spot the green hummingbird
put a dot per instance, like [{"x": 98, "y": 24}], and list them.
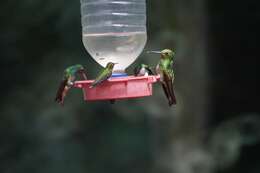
[
  {"x": 143, "y": 70},
  {"x": 67, "y": 82},
  {"x": 165, "y": 70},
  {"x": 104, "y": 74}
]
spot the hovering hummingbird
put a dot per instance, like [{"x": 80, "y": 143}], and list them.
[
  {"x": 143, "y": 70},
  {"x": 67, "y": 82},
  {"x": 165, "y": 70},
  {"x": 104, "y": 74}
]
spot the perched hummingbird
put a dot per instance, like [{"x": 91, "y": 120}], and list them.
[
  {"x": 104, "y": 74},
  {"x": 69, "y": 77},
  {"x": 143, "y": 70},
  {"x": 165, "y": 70}
]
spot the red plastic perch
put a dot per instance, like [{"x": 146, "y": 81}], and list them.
[{"x": 118, "y": 88}]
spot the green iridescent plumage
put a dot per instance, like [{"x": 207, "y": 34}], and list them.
[
  {"x": 165, "y": 70},
  {"x": 72, "y": 71},
  {"x": 104, "y": 74},
  {"x": 69, "y": 77}
]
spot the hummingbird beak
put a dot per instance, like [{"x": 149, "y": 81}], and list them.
[{"x": 157, "y": 52}]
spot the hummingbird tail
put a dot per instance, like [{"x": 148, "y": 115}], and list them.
[
  {"x": 168, "y": 89},
  {"x": 173, "y": 98},
  {"x": 170, "y": 102},
  {"x": 171, "y": 91},
  {"x": 166, "y": 92}
]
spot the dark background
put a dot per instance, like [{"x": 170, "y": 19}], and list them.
[
  {"x": 39, "y": 39},
  {"x": 234, "y": 27}
]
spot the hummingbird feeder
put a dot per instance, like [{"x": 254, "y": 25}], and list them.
[
  {"x": 115, "y": 31},
  {"x": 118, "y": 88}
]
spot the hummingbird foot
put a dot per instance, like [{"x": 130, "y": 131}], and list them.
[{"x": 70, "y": 83}]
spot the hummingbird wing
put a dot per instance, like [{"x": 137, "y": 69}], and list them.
[
  {"x": 137, "y": 70},
  {"x": 166, "y": 92},
  {"x": 150, "y": 72},
  {"x": 64, "y": 88},
  {"x": 163, "y": 80},
  {"x": 172, "y": 82},
  {"x": 157, "y": 69},
  {"x": 104, "y": 75},
  {"x": 59, "y": 96},
  {"x": 169, "y": 82}
]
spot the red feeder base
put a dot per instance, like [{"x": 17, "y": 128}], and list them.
[{"x": 118, "y": 88}]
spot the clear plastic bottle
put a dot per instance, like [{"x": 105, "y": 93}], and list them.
[{"x": 114, "y": 30}]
